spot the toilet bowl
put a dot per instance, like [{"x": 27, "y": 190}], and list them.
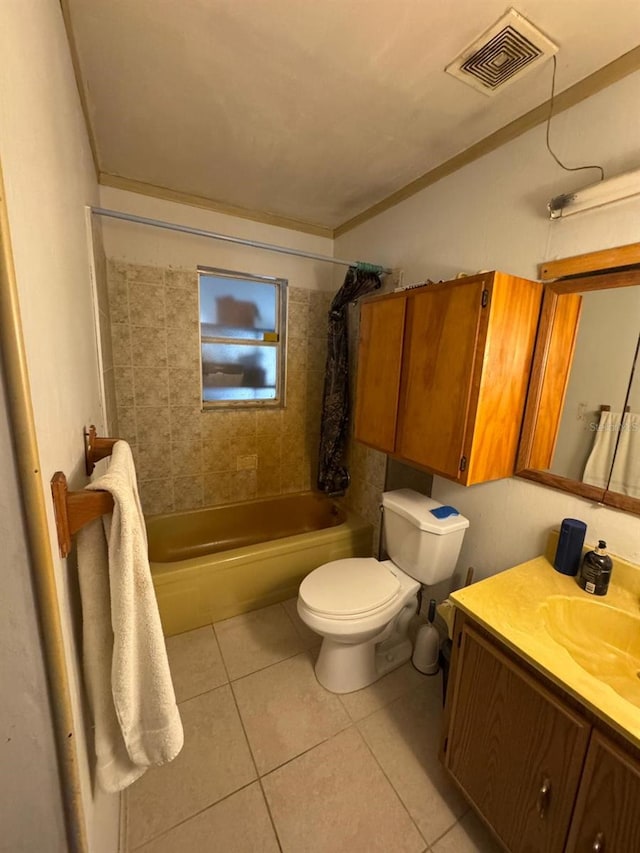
[{"x": 362, "y": 607}]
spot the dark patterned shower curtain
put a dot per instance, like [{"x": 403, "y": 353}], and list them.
[{"x": 332, "y": 475}]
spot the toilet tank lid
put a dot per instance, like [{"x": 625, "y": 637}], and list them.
[{"x": 424, "y": 512}]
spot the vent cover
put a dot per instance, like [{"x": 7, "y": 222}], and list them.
[{"x": 502, "y": 54}]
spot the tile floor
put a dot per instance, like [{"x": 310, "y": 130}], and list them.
[{"x": 274, "y": 762}]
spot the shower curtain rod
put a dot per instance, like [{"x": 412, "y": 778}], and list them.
[{"x": 254, "y": 244}]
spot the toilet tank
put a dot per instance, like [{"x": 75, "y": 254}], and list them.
[{"x": 422, "y": 536}]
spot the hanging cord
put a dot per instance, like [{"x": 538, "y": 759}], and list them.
[{"x": 555, "y": 157}]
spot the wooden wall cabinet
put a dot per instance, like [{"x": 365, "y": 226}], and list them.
[
  {"x": 443, "y": 372},
  {"x": 534, "y": 766}
]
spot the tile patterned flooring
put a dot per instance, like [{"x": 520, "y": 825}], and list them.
[{"x": 274, "y": 762}]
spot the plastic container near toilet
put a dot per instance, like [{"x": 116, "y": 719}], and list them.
[{"x": 362, "y": 607}]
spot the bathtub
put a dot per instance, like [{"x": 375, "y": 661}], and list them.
[{"x": 213, "y": 563}]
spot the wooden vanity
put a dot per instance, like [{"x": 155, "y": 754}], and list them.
[{"x": 547, "y": 754}]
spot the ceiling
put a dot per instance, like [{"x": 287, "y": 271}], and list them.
[{"x": 310, "y": 110}]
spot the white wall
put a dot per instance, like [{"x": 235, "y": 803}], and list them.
[
  {"x": 30, "y": 802},
  {"x": 491, "y": 215},
  {"x": 142, "y": 244},
  {"x": 49, "y": 179}
]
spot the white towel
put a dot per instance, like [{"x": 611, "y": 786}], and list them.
[
  {"x": 625, "y": 475},
  {"x": 598, "y": 467},
  {"x": 137, "y": 723}
]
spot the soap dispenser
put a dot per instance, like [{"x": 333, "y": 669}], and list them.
[{"x": 595, "y": 572}]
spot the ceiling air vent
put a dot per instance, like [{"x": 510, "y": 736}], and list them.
[{"x": 502, "y": 54}]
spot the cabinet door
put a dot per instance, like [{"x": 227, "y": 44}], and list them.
[
  {"x": 442, "y": 331},
  {"x": 607, "y": 815},
  {"x": 515, "y": 750},
  {"x": 379, "y": 366}
]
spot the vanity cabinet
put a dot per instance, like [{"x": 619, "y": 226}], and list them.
[
  {"x": 534, "y": 766},
  {"x": 607, "y": 813},
  {"x": 443, "y": 372},
  {"x": 514, "y": 749}
]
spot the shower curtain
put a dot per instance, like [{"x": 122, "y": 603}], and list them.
[{"x": 332, "y": 475}]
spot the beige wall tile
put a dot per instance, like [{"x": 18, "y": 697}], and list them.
[
  {"x": 247, "y": 463},
  {"x": 111, "y": 404},
  {"x": 151, "y": 386},
  {"x": 156, "y": 496},
  {"x": 127, "y": 429},
  {"x": 153, "y": 461},
  {"x": 153, "y": 425},
  {"x": 244, "y": 485},
  {"x": 316, "y": 352},
  {"x": 185, "y": 421},
  {"x": 181, "y": 278},
  {"x": 243, "y": 445},
  {"x": 186, "y": 457},
  {"x": 146, "y": 305},
  {"x": 139, "y": 273},
  {"x": 183, "y": 348},
  {"x": 298, "y": 320},
  {"x": 123, "y": 378},
  {"x": 269, "y": 423},
  {"x": 292, "y": 479},
  {"x": 218, "y": 488},
  {"x": 297, "y": 352},
  {"x": 269, "y": 451},
  {"x": 217, "y": 455},
  {"x": 184, "y": 388},
  {"x": 299, "y": 294},
  {"x": 242, "y": 423},
  {"x": 121, "y": 344},
  {"x": 188, "y": 492},
  {"x": 118, "y": 299},
  {"x": 106, "y": 345},
  {"x": 235, "y": 454},
  {"x": 148, "y": 346},
  {"x": 268, "y": 481},
  {"x": 182, "y": 307}
]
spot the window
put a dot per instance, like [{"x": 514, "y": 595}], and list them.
[{"x": 242, "y": 323}]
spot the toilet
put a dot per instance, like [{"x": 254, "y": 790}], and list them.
[{"x": 362, "y": 607}]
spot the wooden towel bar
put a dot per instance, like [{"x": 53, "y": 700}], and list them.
[{"x": 75, "y": 509}]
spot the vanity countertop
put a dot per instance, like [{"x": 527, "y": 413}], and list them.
[{"x": 513, "y": 606}]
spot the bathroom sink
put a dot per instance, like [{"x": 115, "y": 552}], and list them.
[{"x": 602, "y": 639}]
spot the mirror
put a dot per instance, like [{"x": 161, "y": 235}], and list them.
[{"x": 576, "y": 434}]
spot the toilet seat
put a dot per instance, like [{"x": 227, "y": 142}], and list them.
[{"x": 350, "y": 588}]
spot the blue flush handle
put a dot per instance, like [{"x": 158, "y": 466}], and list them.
[{"x": 444, "y": 511}]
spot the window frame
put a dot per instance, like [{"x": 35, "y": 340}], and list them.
[{"x": 280, "y": 346}]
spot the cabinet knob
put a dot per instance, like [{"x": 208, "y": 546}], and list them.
[
  {"x": 598, "y": 843},
  {"x": 544, "y": 797}
]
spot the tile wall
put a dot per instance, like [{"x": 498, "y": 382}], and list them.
[{"x": 186, "y": 458}]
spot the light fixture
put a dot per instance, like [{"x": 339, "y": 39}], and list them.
[{"x": 595, "y": 195}]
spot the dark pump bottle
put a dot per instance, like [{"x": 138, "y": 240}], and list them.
[{"x": 595, "y": 572}]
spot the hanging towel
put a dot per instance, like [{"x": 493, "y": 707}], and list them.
[
  {"x": 625, "y": 474},
  {"x": 136, "y": 719},
  {"x": 598, "y": 467}
]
